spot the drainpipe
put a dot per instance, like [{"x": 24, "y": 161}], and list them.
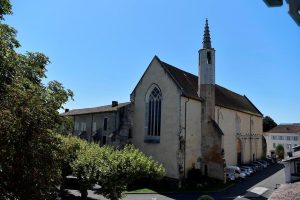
[{"x": 184, "y": 150}]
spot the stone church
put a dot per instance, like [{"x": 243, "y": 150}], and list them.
[{"x": 185, "y": 121}]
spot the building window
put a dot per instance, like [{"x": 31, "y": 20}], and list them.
[
  {"x": 76, "y": 126},
  {"x": 83, "y": 126},
  {"x": 298, "y": 167},
  {"x": 208, "y": 57},
  {"x": 104, "y": 140},
  {"x": 274, "y": 137},
  {"x": 288, "y": 137},
  {"x": 237, "y": 124},
  {"x": 153, "y": 115},
  {"x": 105, "y": 124},
  {"x": 280, "y": 137},
  {"x": 295, "y": 138},
  {"x": 94, "y": 127},
  {"x": 274, "y": 145}
]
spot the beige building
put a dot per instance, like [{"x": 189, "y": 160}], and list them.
[
  {"x": 183, "y": 120},
  {"x": 286, "y": 134},
  {"x": 110, "y": 124}
]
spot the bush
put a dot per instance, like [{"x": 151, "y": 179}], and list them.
[
  {"x": 112, "y": 169},
  {"x": 124, "y": 166}
]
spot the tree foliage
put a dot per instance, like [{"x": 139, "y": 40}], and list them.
[
  {"x": 30, "y": 156},
  {"x": 268, "y": 123},
  {"x": 279, "y": 151},
  {"x": 112, "y": 169}
]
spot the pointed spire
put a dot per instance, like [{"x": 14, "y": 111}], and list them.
[{"x": 206, "y": 37}]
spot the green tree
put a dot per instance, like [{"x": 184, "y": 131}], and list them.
[
  {"x": 123, "y": 167},
  {"x": 268, "y": 123},
  {"x": 279, "y": 150},
  {"x": 112, "y": 169},
  {"x": 30, "y": 155}
]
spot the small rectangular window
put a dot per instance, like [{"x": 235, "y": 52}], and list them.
[
  {"x": 298, "y": 167},
  {"x": 83, "y": 126},
  {"x": 105, "y": 124},
  {"x": 295, "y": 138},
  {"x": 280, "y": 137},
  {"x": 208, "y": 57},
  {"x": 274, "y": 145},
  {"x": 288, "y": 137},
  {"x": 104, "y": 140},
  {"x": 94, "y": 126},
  {"x": 76, "y": 126},
  {"x": 129, "y": 133}
]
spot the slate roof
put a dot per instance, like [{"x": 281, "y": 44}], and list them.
[
  {"x": 100, "y": 109},
  {"x": 286, "y": 128},
  {"x": 225, "y": 98}
]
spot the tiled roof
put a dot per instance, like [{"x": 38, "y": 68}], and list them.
[
  {"x": 224, "y": 97},
  {"x": 286, "y": 128},
  {"x": 100, "y": 109}
]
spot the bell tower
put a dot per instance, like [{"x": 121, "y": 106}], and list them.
[
  {"x": 206, "y": 76},
  {"x": 211, "y": 136}
]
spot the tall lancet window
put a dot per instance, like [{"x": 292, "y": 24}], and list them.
[{"x": 153, "y": 115}]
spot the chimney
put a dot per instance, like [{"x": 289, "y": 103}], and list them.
[
  {"x": 114, "y": 103},
  {"x": 67, "y": 110}
]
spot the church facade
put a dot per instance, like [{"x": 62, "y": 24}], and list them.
[{"x": 185, "y": 121}]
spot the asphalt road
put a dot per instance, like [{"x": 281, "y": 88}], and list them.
[{"x": 258, "y": 186}]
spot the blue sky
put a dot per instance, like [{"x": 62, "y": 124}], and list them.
[{"x": 100, "y": 48}]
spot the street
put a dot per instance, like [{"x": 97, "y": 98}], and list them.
[{"x": 258, "y": 186}]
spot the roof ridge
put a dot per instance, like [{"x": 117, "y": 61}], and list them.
[
  {"x": 98, "y": 106},
  {"x": 178, "y": 68},
  {"x": 197, "y": 77}
]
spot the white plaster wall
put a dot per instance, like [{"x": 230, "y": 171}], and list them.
[
  {"x": 226, "y": 118},
  {"x": 164, "y": 152},
  {"x": 192, "y": 127}
]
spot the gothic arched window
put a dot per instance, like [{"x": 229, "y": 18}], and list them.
[{"x": 153, "y": 114}]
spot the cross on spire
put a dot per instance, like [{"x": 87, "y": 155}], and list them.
[{"x": 206, "y": 37}]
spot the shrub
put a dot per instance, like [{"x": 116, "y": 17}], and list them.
[{"x": 112, "y": 169}]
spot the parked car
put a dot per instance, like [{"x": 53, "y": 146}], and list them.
[
  {"x": 259, "y": 165},
  {"x": 230, "y": 176},
  {"x": 241, "y": 174},
  {"x": 255, "y": 167},
  {"x": 251, "y": 167},
  {"x": 236, "y": 171},
  {"x": 246, "y": 170}
]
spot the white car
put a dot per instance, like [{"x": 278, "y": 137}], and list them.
[
  {"x": 236, "y": 171},
  {"x": 248, "y": 170},
  {"x": 230, "y": 176}
]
